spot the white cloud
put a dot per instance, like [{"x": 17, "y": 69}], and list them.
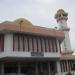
[{"x": 46, "y": 1}]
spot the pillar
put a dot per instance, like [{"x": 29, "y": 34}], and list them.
[
  {"x": 2, "y": 68},
  {"x": 58, "y": 47},
  {"x": 19, "y": 68},
  {"x": 67, "y": 66},
  {"x": 58, "y": 68},
  {"x": 49, "y": 70},
  {"x": 8, "y": 42},
  {"x": 36, "y": 68}
]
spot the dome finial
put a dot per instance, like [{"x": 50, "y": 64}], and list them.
[
  {"x": 22, "y": 21},
  {"x": 60, "y": 11}
]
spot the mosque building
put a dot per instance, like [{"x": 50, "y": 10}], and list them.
[{"x": 26, "y": 49}]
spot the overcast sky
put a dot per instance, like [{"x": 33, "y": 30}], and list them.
[{"x": 39, "y": 12}]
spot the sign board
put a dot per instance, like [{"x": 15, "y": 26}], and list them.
[{"x": 37, "y": 54}]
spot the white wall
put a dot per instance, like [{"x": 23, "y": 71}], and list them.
[
  {"x": 28, "y": 54},
  {"x": 62, "y": 24},
  {"x": 8, "y": 42},
  {"x": 8, "y": 49}
]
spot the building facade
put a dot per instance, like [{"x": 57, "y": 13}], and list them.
[
  {"x": 26, "y": 49},
  {"x": 67, "y": 59}
]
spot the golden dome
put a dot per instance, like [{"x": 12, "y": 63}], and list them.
[
  {"x": 22, "y": 21},
  {"x": 60, "y": 11}
]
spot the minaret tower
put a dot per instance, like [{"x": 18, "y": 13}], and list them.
[{"x": 61, "y": 17}]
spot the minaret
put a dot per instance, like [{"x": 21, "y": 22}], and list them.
[{"x": 61, "y": 17}]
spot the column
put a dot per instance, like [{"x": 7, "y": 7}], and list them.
[
  {"x": 58, "y": 68},
  {"x": 2, "y": 68},
  {"x": 8, "y": 42},
  {"x": 67, "y": 66},
  {"x": 19, "y": 68},
  {"x": 58, "y": 46},
  {"x": 49, "y": 70},
  {"x": 36, "y": 68}
]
